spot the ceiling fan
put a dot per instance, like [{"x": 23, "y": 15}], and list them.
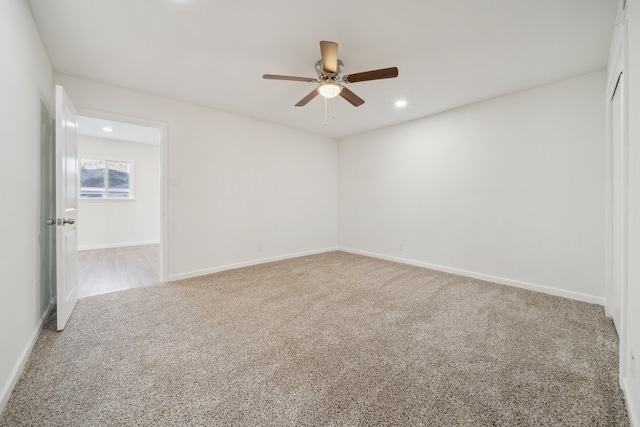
[{"x": 330, "y": 79}]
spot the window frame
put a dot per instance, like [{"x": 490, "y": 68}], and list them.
[{"x": 106, "y": 160}]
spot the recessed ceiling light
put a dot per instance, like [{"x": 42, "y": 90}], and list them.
[
  {"x": 401, "y": 103},
  {"x": 107, "y": 129}
]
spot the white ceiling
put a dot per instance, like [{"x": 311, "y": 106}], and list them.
[
  {"x": 119, "y": 131},
  {"x": 214, "y": 52}
]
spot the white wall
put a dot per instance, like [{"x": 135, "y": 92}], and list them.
[
  {"x": 113, "y": 223},
  {"x": 510, "y": 190},
  {"x": 241, "y": 182},
  {"x": 27, "y": 99},
  {"x": 632, "y": 382}
]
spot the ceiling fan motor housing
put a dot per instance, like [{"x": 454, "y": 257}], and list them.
[{"x": 322, "y": 76}]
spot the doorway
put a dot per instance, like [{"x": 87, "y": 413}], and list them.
[{"x": 120, "y": 204}]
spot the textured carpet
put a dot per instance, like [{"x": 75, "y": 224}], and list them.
[{"x": 330, "y": 339}]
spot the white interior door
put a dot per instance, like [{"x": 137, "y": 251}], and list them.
[
  {"x": 619, "y": 169},
  {"x": 66, "y": 207}
]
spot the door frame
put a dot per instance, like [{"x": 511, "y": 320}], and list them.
[
  {"x": 164, "y": 181},
  {"x": 616, "y": 81}
]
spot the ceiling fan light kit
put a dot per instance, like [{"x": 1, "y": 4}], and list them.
[
  {"x": 329, "y": 89},
  {"x": 330, "y": 79}
]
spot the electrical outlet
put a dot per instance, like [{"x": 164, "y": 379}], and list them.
[
  {"x": 401, "y": 247},
  {"x": 260, "y": 247},
  {"x": 633, "y": 364}
]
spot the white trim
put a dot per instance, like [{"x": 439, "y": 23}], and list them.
[
  {"x": 164, "y": 202},
  {"x": 578, "y": 296},
  {"x": 631, "y": 410},
  {"x": 164, "y": 174},
  {"x": 108, "y": 200},
  {"x": 205, "y": 271},
  {"x": 617, "y": 67},
  {"x": 118, "y": 245},
  {"x": 14, "y": 376}
]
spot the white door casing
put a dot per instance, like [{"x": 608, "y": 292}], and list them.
[
  {"x": 616, "y": 190},
  {"x": 66, "y": 207},
  {"x": 619, "y": 224}
]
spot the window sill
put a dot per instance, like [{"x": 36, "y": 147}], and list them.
[{"x": 106, "y": 200}]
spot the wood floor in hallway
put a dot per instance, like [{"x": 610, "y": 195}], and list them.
[{"x": 101, "y": 271}]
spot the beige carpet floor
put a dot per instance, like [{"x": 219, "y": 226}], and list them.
[{"x": 330, "y": 339}]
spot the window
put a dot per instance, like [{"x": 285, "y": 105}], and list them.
[{"x": 105, "y": 179}]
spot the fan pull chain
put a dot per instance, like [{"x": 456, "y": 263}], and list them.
[{"x": 325, "y": 111}]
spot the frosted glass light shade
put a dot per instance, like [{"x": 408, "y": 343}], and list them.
[{"x": 330, "y": 90}]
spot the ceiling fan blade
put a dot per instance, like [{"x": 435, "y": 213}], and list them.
[
  {"x": 329, "y": 52},
  {"x": 293, "y": 78},
  {"x": 353, "y": 99},
  {"x": 384, "y": 73},
  {"x": 304, "y": 101}
]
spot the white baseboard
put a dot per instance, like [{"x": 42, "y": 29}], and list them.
[
  {"x": 634, "y": 417},
  {"x": 205, "y": 271},
  {"x": 117, "y": 245},
  {"x": 495, "y": 279},
  {"x": 7, "y": 388}
]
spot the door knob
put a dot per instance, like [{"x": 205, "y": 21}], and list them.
[
  {"x": 68, "y": 221},
  {"x": 51, "y": 222}
]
